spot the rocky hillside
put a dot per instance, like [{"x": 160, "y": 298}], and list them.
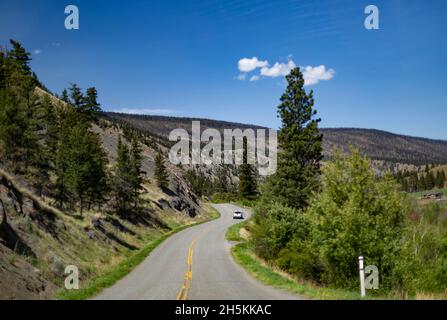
[
  {"x": 378, "y": 145},
  {"x": 37, "y": 240}
]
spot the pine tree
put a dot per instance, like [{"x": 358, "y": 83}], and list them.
[
  {"x": 122, "y": 185},
  {"x": 2, "y": 68},
  {"x": 18, "y": 136},
  {"x": 404, "y": 185},
  {"x": 43, "y": 123},
  {"x": 429, "y": 181},
  {"x": 222, "y": 182},
  {"x": 91, "y": 107},
  {"x": 20, "y": 56},
  {"x": 136, "y": 175},
  {"x": 300, "y": 145},
  {"x": 86, "y": 165},
  {"x": 64, "y": 96},
  {"x": 440, "y": 179},
  {"x": 421, "y": 186},
  {"x": 160, "y": 171},
  {"x": 77, "y": 98},
  {"x": 247, "y": 178}
]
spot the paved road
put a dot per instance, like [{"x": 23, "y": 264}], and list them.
[{"x": 194, "y": 264}]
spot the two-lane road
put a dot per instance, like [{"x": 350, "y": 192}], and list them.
[{"x": 195, "y": 263}]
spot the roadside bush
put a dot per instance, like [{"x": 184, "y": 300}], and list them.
[
  {"x": 422, "y": 266},
  {"x": 357, "y": 213},
  {"x": 300, "y": 259},
  {"x": 276, "y": 225}
]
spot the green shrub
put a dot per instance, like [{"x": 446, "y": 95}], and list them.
[
  {"x": 357, "y": 213},
  {"x": 276, "y": 225},
  {"x": 299, "y": 258},
  {"x": 422, "y": 265}
]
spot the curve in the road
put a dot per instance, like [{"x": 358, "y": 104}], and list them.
[{"x": 194, "y": 264}]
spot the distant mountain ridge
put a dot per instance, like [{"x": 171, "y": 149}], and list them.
[{"x": 376, "y": 144}]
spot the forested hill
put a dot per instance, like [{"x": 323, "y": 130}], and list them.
[{"x": 376, "y": 144}]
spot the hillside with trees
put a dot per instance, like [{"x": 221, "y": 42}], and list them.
[
  {"x": 75, "y": 188},
  {"x": 375, "y": 144}
]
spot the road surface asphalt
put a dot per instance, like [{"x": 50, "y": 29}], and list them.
[{"x": 194, "y": 264}]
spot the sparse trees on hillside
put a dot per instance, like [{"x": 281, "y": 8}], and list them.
[
  {"x": 201, "y": 185},
  {"x": 45, "y": 142}
]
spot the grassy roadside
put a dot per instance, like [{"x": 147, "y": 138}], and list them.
[
  {"x": 244, "y": 255},
  {"x": 111, "y": 276}
]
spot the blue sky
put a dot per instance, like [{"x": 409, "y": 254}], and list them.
[{"x": 180, "y": 58}]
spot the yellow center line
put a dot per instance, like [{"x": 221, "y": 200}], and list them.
[
  {"x": 187, "y": 278},
  {"x": 183, "y": 294}
]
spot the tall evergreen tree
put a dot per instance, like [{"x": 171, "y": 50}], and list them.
[
  {"x": 91, "y": 106},
  {"x": 160, "y": 171},
  {"x": 300, "y": 145},
  {"x": 136, "y": 174},
  {"x": 77, "y": 98},
  {"x": 440, "y": 179},
  {"x": 86, "y": 175},
  {"x": 64, "y": 96},
  {"x": 20, "y": 56},
  {"x": 18, "y": 136},
  {"x": 247, "y": 178},
  {"x": 122, "y": 182}
]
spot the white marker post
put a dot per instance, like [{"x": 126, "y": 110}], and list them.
[{"x": 362, "y": 277}]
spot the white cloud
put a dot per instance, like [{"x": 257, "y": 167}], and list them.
[
  {"x": 313, "y": 75},
  {"x": 241, "y": 76},
  {"x": 37, "y": 51},
  {"x": 247, "y": 65},
  {"x": 278, "y": 69},
  {"x": 145, "y": 111}
]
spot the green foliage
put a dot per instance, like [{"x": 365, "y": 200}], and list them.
[
  {"x": 300, "y": 145},
  {"x": 247, "y": 178},
  {"x": 275, "y": 226},
  {"x": 122, "y": 182},
  {"x": 160, "y": 171},
  {"x": 422, "y": 265},
  {"x": 20, "y": 57},
  {"x": 440, "y": 179},
  {"x": 414, "y": 182},
  {"x": 201, "y": 184},
  {"x": 86, "y": 165},
  {"x": 357, "y": 213},
  {"x": 18, "y": 126},
  {"x": 136, "y": 174},
  {"x": 40, "y": 139}
]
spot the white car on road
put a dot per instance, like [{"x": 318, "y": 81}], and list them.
[{"x": 238, "y": 215}]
